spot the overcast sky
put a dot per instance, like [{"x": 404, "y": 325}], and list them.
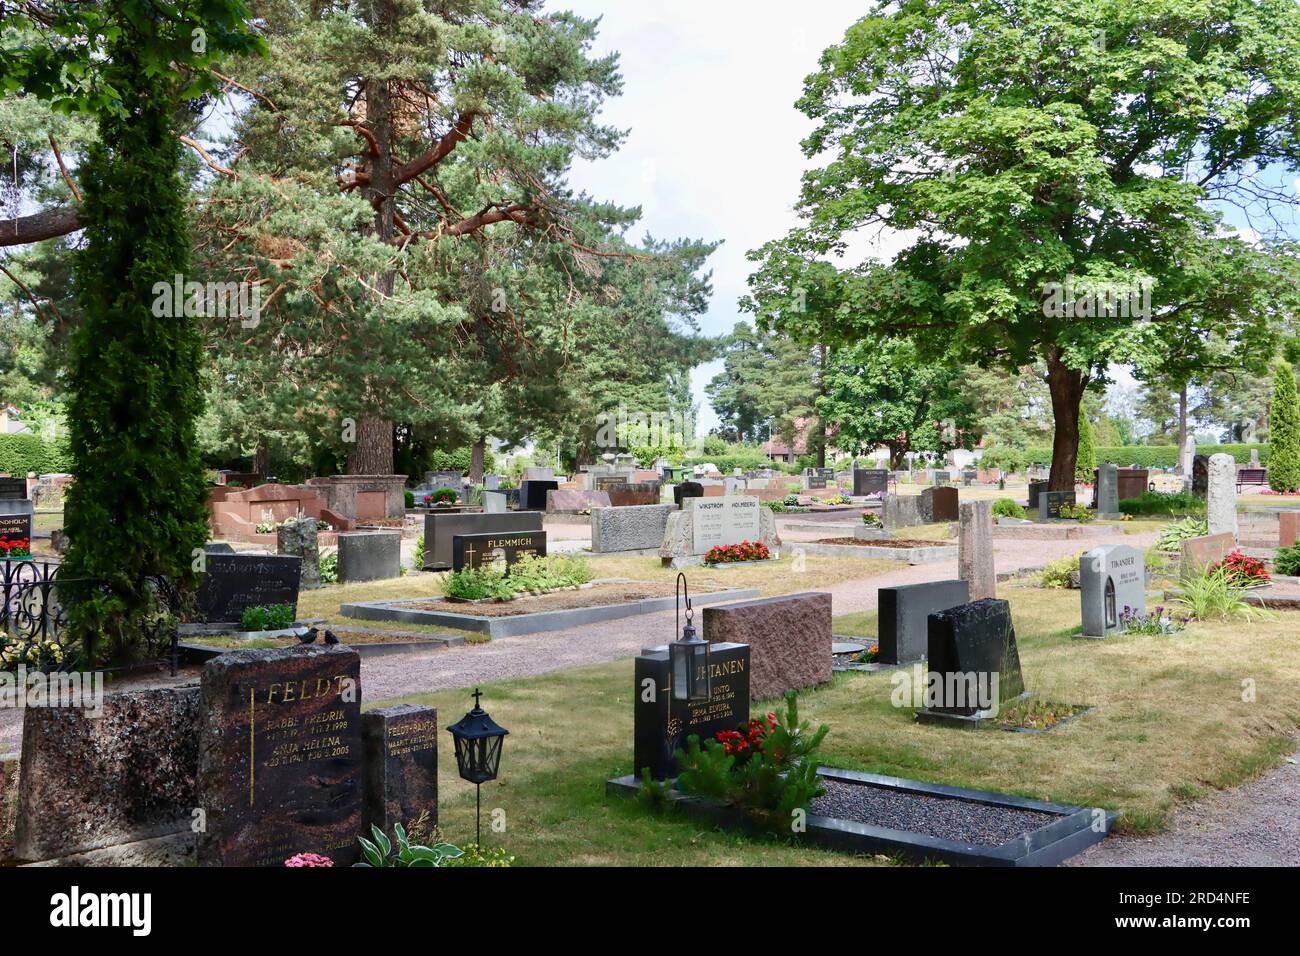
[{"x": 713, "y": 149}]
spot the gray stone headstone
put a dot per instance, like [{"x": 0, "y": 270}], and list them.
[
  {"x": 1111, "y": 578},
  {"x": 494, "y": 503},
  {"x": 369, "y": 556},
  {"x": 631, "y": 528},
  {"x": 1221, "y": 496},
  {"x": 904, "y": 611},
  {"x": 975, "y": 549},
  {"x": 1187, "y": 456},
  {"x": 901, "y": 511},
  {"x": 1108, "y": 491},
  {"x": 491, "y": 482},
  {"x": 299, "y": 538}
]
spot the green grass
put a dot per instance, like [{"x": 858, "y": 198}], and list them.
[{"x": 1168, "y": 726}]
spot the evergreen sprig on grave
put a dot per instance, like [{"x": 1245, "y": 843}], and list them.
[
  {"x": 137, "y": 507},
  {"x": 1284, "y": 431}
]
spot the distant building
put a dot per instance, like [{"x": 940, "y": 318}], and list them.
[{"x": 9, "y": 421}]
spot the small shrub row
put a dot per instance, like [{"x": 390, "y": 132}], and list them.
[
  {"x": 1163, "y": 503},
  {"x": 530, "y": 574}
]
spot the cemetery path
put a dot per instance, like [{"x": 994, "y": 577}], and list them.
[{"x": 1254, "y": 825}]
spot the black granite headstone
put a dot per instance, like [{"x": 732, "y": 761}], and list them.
[
  {"x": 16, "y": 536},
  {"x": 1036, "y": 488},
  {"x": 232, "y": 583},
  {"x": 399, "y": 748},
  {"x": 969, "y": 646},
  {"x": 687, "y": 489},
  {"x": 904, "y": 617},
  {"x": 477, "y": 550},
  {"x": 441, "y": 529},
  {"x": 870, "y": 481},
  {"x": 532, "y": 494},
  {"x": 1200, "y": 476},
  {"x": 1051, "y": 502},
  {"x": 13, "y": 488},
  {"x": 662, "y": 725}
]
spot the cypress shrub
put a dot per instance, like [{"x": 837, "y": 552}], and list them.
[
  {"x": 1087, "y": 456},
  {"x": 1284, "y": 431}
]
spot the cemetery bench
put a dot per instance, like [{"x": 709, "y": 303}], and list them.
[{"x": 1251, "y": 476}]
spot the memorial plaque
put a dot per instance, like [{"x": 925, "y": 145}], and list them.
[
  {"x": 280, "y": 756},
  {"x": 1051, "y": 502},
  {"x": 1111, "y": 578},
  {"x": 661, "y": 725},
  {"x": 232, "y": 583},
  {"x": 439, "y": 530},
  {"x": 717, "y": 521},
  {"x": 939, "y": 504},
  {"x": 635, "y": 494},
  {"x": 400, "y": 749},
  {"x": 502, "y": 550}
]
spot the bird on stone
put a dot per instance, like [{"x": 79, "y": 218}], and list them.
[
  {"x": 308, "y": 636},
  {"x": 330, "y": 638}
]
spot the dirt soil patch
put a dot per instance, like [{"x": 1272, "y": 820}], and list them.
[
  {"x": 623, "y": 592},
  {"x": 885, "y": 543}
]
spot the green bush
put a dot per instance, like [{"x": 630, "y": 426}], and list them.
[
  {"x": 1287, "y": 561},
  {"x": 418, "y": 556},
  {"x": 20, "y": 454},
  {"x": 1213, "y": 596},
  {"x": 1059, "y": 573},
  {"x": 1007, "y": 508},
  {"x": 1284, "y": 430},
  {"x": 273, "y": 618},
  {"x": 329, "y": 568},
  {"x": 410, "y": 497},
  {"x": 1163, "y": 503},
  {"x": 1086, "y": 460},
  {"x": 528, "y": 574}
]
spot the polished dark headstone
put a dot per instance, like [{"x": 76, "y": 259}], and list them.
[
  {"x": 662, "y": 725},
  {"x": 687, "y": 489},
  {"x": 904, "y": 617},
  {"x": 870, "y": 481},
  {"x": 13, "y": 487},
  {"x": 1051, "y": 502},
  {"x": 476, "y": 550},
  {"x": 1036, "y": 488},
  {"x": 441, "y": 529},
  {"x": 232, "y": 583},
  {"x": 399, "y": 747},
  {"x": 972, "y": 658},
  {"x": 532, "y": 494},
  {"x": 280, "y": 756}
]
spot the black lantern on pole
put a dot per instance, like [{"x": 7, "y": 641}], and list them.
[
  {"x": 478, "y": 753},
  {"x": 689, "y": 655}
]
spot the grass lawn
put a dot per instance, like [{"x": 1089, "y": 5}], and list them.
[{"x": 1169, "y": 724}]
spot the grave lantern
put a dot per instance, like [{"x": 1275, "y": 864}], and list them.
[
  {"x": 478, "y": 753},
  {"x": 689, "y": 655}
]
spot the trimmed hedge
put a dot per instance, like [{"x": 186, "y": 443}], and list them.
[
  {"x": 1154, "y": 456},
  {"x": 20, "y": 454}
]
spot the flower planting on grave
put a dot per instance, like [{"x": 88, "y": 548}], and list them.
[
  {"x": 529, "y": 575},
  {"x": 765, "y": 768},
  {"x": 1213, "y": 596},
  {"x": 1007, "y": 508},
  {"x": 872, "y": 520},
  {"x": 34, "y": 654},
  {"x": 1243, "y": 571},
  {"x": 1036, "y": 714},
  {"x": 379, "y": 851},
  {"x": 1133, "y": 621},
  {"x": 1080, "y": 513},
  {"x": 870, "y": 656},
  {"x": 15, "y": 548},
  {"x": 1061, "y": 573},
  {"x": 442, "y": 498},
  {"x": 736, "y": 553}
]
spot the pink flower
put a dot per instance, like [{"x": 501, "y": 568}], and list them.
[{"x": 308, "y": 859}]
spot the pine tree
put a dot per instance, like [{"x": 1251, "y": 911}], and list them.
[
  {"x": 1086, "y": 461},
  {"x": 1284, "y": 431}
]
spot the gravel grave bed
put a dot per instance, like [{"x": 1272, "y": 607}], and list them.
[
  {"x": 595, "y": 596},
  {"x": 958, "y": 820},
  {"x": 885, "y": 543}
]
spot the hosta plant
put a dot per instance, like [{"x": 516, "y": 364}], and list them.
[{"x": 381, "y": 851}]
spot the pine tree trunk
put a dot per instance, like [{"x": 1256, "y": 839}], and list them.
[
  {"x": 1066, "y": 386},
  {"x": 372, "y": 453},
  {"x": 476, "y": 456},
  {"x": 1182, "y": 424},
  {"x": 262, "y": 457}
]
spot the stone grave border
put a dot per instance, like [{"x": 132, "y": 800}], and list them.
[
  {"x": 1049, "y": 845},
  {"x": 926, "y": 555},
  {"x": 536, "y": 622}
]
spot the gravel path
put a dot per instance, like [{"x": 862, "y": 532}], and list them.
[
  {"x": 958, "y": 820},
  {"x": 1254, "y": 825}
]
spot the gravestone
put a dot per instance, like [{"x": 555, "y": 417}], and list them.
[
  {"x": 789, "y": 640},
  {"x": 968, "y": 478},
  {"x": 494, "y": 503},
  {"x": 975, "y": 549},
  {"x": 901, "y": 511},
  {"x": 634, "y": 494},
  {"x": 973, "y": 661},
  {"x": 1111, "y": 578},
  {"x": 1204, "y": 551},
  {"x": 477, "y": 550},
  {"x": 538, "y": 473},
  {"x": 1288, "y": 528},
  {"x": 440, "y": 529},
  {"x": 635, "y": 528},
  {"x": 1036, "y": 488},
  {"x": 1201, "y": 475},
  {"x": 280, "y": 756},
  {"x": 870, "y": 481},
  {"x": 1051, "y": 502},
  {"x": 942, "y": 477},
  {"x": 13, "y": 489},
  {"x": 300, "y": 537},
  {"x": 575, "y": 501},
  {"x": 661, "y": 725},
  {"x": 1133, "y": 482},
  {"x": 232, "y": 583},
  {"x": 1187, "y": 456},
  {"x": 939, "y": 504},
  {"x": 687, "y": 489},
  {"x": 1221, "y": 498},
  {"x": 904, "y": 617},
  {"x": 97, "y": 778},
  {"x": 491, "y": 482},
  {"x": 16, "y": 516},
  {"x": 1107, "y": 494},
  {"x": 369, "y": 556},
  {"x": 532, "y": 494},
  {"x": 709, "y": 522},
  {"x": 399, "y": 747}
]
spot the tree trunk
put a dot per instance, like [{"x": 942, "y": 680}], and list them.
[
  {"x": 1066, "y": 386},
  {"x": 372, "y": 453},
  {"x": 476, "y": 462},
  {"x": 821, "y": 422},
  {"x": 1182, "y": 425},
  {"x": 262, "y": 457}
]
